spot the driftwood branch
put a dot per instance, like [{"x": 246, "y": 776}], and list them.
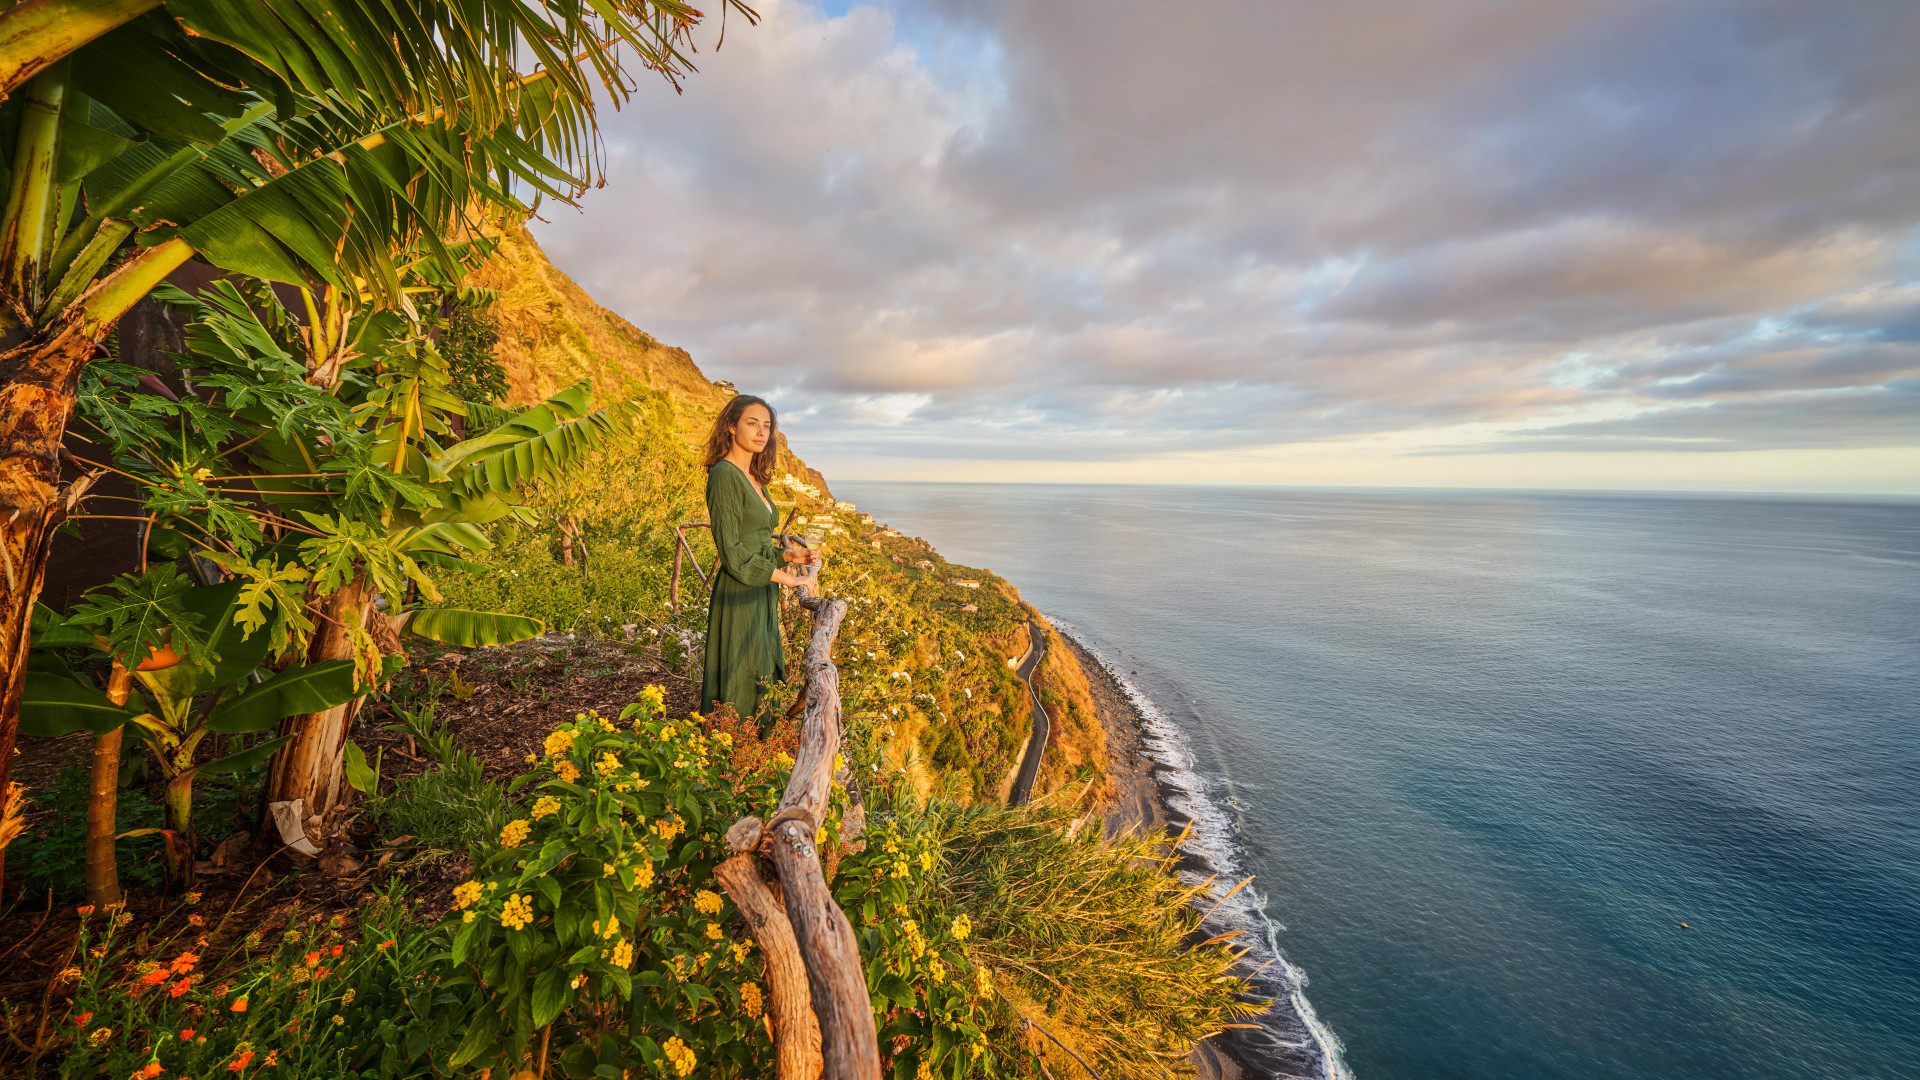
[
  {"x": 836, "y": 983},
  {"x": 796, "y": 1034}
]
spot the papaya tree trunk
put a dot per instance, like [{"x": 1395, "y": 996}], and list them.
[
  {"x": 309, "y": 767},
  {"x": 103, "y": 801}
]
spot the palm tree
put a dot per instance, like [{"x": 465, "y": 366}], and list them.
[{"x": 299, "y": 143}]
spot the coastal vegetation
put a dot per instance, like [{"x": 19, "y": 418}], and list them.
[{"x": 372, "y": 753}]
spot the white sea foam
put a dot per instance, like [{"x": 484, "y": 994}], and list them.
[{"x": 1215, "y": 841}]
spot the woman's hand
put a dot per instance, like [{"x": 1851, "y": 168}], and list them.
[
  {"x": 791, "y": 581},
  {"x": 801, "y": 555}
]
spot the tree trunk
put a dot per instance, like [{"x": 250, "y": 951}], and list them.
[
  {"x": 308, "y": 768},
  {"x": 103, "y": 801},
  {"x": 37, "y": 383}
]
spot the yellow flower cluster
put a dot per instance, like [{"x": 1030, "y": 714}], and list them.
[
  {"x": 643, "y": 877},
  {"x": 937, "y": 969},
  {"x": 565, "y": 770},
  {"x": 518, "y": 911},
  {"x": 713, "y": 931},
  {"x": 559, "y": 742},
  {"x": 668, "y": 829},
  {"x": 607, "y": 764},
  {"x": 740, "y": 950},
  {"x": 724, "y": 739},
  {"x": 623, "y": 954},
  {"x": 669, "y": 731},
  {"x": 926, "y": 860},
  {"x": 750, "y": 999},
  {"x": 680, "y": 1056},
  {"x": 546, "y": 805},
  {"x": 465, "y": 895},
  {"x": 982, "y": 982},
  {"x": 915, "y": 942},
  {"x": 962, "y": 926},
  {"x": 707, "y": 902},
  {"x": 516, "y": 832}
]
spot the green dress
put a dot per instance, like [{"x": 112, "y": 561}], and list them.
[{"x": 743, "y": 612}]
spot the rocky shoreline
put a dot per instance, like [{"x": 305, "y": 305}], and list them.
[{"x": 1140, "y": 801}]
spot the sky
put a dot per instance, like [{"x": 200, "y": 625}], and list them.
[{"x": 1621, "y": 244}]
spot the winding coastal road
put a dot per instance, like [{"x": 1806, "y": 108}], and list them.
[{"x": 1037, "y": 745}]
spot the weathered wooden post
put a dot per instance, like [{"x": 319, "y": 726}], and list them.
[{"x": 805, "y": 922}]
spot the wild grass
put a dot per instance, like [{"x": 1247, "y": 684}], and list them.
[
  {"x": 1097, "y": 934},
  {"x": 448, "y": 807}
]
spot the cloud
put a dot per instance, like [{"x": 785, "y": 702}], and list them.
[{"x": 1104, "y": 231}]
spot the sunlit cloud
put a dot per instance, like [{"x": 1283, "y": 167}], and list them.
[{"x": 1291, "y": 239}]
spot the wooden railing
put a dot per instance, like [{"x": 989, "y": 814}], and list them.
[{"x": 817, "y": 1000}]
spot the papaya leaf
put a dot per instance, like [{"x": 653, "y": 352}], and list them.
[{"x": 140, "y": 614}]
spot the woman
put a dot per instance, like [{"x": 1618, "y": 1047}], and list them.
[{"x": 744, "y": 652}]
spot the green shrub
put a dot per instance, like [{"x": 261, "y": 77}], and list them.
[
  {"x": 344, "y": 997},
  {"x": 590, "y": 928}
]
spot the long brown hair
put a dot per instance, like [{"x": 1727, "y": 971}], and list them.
[{"x": 720, "y": 439}]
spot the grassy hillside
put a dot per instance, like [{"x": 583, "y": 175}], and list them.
[{"x": 926, "y": 681}]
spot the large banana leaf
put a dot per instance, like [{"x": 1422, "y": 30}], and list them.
[
  {"x": 455, "y": 626},
  {"x": 305, "y": 689},
  {"x": 550, "y": 437},
  {"x": 245, "y": 759},
  {"x": 54, "y": 705}
]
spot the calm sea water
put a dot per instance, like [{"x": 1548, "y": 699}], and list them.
[{"x": 1489, "y": 752}]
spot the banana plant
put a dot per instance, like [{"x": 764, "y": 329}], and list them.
[
  {"x": 296, "y": 142},
  {"x": 196, "y": 661}
]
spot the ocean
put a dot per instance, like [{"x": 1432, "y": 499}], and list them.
[{"x": 1535, "y": 785}]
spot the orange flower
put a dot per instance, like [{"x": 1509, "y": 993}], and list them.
[
  {"x": 181, "y": 987},
  {"x": 81, "y": 1020},
  {"x": 320, "y": 973},
  {"x": 336, "y": 951},
  {"x": 387, "y": 944},
  {"x": 185, "y": 963},
  {"x": 186, "y": 1035},
  {"x": 152, "y": 1070},
  {"x": 240, "y": 1062},
  {"x": 313, "y": 958},
  {"x": 239, "y": 1005},
  {"x": 86, "y": 911},
  {"x": 155, "y": 977}
]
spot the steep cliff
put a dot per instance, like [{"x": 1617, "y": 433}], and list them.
[{"x": 552, "y": 335}]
